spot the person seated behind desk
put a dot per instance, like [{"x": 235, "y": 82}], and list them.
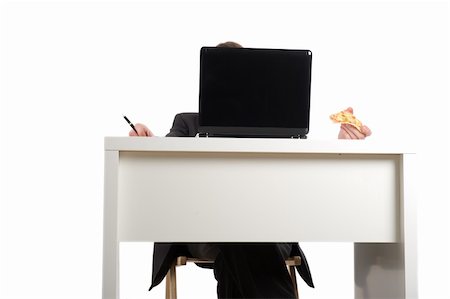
[{"x": 242, "y": 270}]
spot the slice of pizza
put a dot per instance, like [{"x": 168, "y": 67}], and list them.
[{"x": 345, "y": 117}]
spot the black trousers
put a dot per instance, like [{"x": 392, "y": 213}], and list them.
[{"x": 252, "y": 270}]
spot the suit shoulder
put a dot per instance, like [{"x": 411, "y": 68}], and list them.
[{"x": 185, "y": 115}]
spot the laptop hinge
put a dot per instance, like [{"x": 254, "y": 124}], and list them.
[{"x": 299, "y": 137}]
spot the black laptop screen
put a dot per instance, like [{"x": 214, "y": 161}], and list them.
[{"x": 260, "y": 91}]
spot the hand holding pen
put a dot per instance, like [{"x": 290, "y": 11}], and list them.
[{"x": 138, "y": 129}]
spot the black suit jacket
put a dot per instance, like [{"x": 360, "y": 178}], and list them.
[{"x": 164, "y": 254}]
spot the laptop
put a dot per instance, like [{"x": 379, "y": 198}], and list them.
[{"x": 254, "y": 92}]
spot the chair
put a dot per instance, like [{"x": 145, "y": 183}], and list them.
[{"x": 171, "y": 277}]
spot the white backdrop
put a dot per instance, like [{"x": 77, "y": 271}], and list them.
[{"x": 70, "y": 69}]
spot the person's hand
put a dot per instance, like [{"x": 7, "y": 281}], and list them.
[
  {"x": 350, "y": 132},
  {"x": 142, "y": 131}
]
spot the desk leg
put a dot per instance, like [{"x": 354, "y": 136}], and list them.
[
  {"x": 409, "y": 223},
  {"x": 379, "y": 271},
  {"x": 110, "y": 287},
  {"x": 389, "y": 270}
]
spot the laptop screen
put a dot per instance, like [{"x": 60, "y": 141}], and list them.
[{"x": 254, "y": 92}]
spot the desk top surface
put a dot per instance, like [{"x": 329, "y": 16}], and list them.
[{"x": 255, "y": 145}]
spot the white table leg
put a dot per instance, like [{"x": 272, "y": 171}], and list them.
[{"x": 110, "y": 287}]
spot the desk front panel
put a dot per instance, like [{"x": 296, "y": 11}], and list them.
[{"x": 256, "y": 197}]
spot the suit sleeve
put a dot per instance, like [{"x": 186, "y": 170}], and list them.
[
  {"x": 179, "y": 127},
  {"x": 184, "y": 125}
]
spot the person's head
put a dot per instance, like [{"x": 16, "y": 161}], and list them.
[{"x": 229, "y": 44}]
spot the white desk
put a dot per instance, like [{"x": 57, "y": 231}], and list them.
[{"x": 265, "y": 190}]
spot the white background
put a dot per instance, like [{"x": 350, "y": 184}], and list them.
[{"x": 70, "y": 69}]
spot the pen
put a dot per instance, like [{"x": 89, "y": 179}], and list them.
[{"x": 131, "y": 124}]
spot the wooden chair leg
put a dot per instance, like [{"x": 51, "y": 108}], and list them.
[
  {"x": 293, "y": 279},
  {"x": 171, "y": 283},
  {"x": 291, "y": 270}
]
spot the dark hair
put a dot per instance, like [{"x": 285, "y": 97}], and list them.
[{"x": 229, "y": 45}]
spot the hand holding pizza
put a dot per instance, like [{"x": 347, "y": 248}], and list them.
[{"x": 351, "y": 127}]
